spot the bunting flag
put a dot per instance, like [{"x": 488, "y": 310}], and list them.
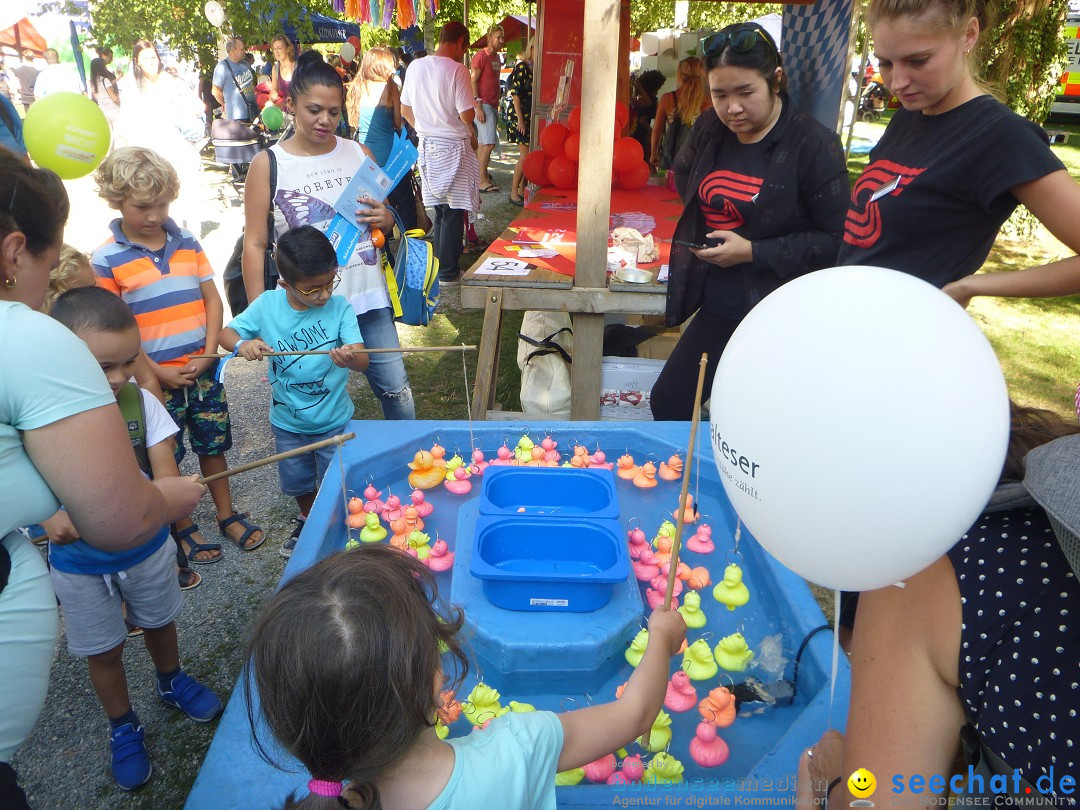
[
  {"x": 406, "y": 16},
  {"x": 339, "y": 6},
  {"x": 376, "y": 12},
  {"x": 364, "y": 14},
  {"x": 387, "y": 14}
]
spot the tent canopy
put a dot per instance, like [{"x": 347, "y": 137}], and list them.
[
  {"x": 326, "y": 29},
  {"x": 515, "y": 26},
  {"x": 22, "y": 34}
]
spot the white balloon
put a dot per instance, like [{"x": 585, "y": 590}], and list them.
[
  {"x": 859, "y": 421},
  {"x": 347, "y": 52}
]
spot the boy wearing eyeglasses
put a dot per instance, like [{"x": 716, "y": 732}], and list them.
[{"x": 309, "y": 401}]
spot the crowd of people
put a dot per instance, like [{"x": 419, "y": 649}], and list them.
[{"x": 766, "y": 198}]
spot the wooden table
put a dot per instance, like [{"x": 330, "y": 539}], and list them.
[{"x": 545, "y": 290}]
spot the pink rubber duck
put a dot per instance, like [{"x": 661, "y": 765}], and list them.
[
  {"x": 503, "y": 456},
  {"x": 718, "y": 707},
  {"x": 646, "y": 476},
  {"x": 423, "y": 508},
  {"x": 373, "y": 501},
  {"x": 461, "y": 485},
  {"x": 645, "y": 567},
  {"x": 391, "y": 504},
  {"x": 627, "y": 470},
  {"x": 659, "y": 584},
  {"x": 551, "y": 453},
  {"x": 478, "y": 464},
  {"x": 707, "y": 749},
  {"x": 440, "y": 558},
  {"x": 638, "y": 542},
  {"x": 599, "y": 459},
  {"x": 701, "y": 542},
  {"x": 672, "y": 469},
  {"x": 599, "y": 770},
  {"x": 682, "y": 570},
  {"x": 689, "y": 514},
  {"x": 656, "y": 597},
  {"x": 680, "y": 695},
  {"x": 633, "y": 770}
]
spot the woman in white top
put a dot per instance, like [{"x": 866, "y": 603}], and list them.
[{"x": 313, "y": 168}]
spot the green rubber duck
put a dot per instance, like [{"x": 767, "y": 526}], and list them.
[
  {"x": 659, "y": 736},
  {"x": 373, "y": 531},
  {"x": 733, "y": 653},
  {"x": 352, "y": 543},
  {"x": 481, "y": 705},
  {"x": 637, "y": 648},
  {"x": 691, "y": 610},
  {"x": 521, "y": 707},
  {"x": 730, "y": 590},
  {"x": 663, "y": 769},
  {"x": 697, "y": 661},
  {"x": 442, "y": 731},
  {"x": 523, "y": 451},
  {"x": 667, "y": 529},
  {"x": 570, "y": 777},
  {"x": 419, "y": 542},
  {"x": 451, "y": 465}
]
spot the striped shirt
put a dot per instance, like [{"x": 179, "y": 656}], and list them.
[
  {"x": 450, "y": 173},
  {"x": 161, "y": 287}
]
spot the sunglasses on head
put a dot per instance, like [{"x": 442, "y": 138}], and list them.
[{"x": 740, "y": 40}]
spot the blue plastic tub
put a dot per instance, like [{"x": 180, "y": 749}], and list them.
[
  {"x": 550, "y": 491},
  {"x": 548, "y": 563}
]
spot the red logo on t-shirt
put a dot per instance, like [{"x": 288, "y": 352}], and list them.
[
  {"x": 882, "y": 178},
  {"x": 718, "y": 193}
]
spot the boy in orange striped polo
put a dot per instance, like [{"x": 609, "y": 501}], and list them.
[{"x": 162, "y": 273}]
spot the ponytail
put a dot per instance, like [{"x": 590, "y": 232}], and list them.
[{"x": 310, "y": 71}]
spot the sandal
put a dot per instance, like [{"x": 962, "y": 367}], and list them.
[
  {"x": 183, "y": 538},
  {"x": 249, "y": 529},
  {"x": 188, "y": 579},
  {"x": 490, "y": 188}
]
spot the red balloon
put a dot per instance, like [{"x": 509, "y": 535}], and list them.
[
  {"x": 355, "y": 42},
  {"x": 574, "y": 121},
  {"x": 552, "y": 138},
  {"x": 622, "y": 115},
  {"x": 636, "y": 177},
  {"x": 572, "y": 145},
  {"x": 563, "y": 172},
  {"x": 535, "y": 168},
  {"x": 627, "y": 154}
]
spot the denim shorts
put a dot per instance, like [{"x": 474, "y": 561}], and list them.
[
  {"x": 91, "y": 602},
  {"x": 301, "y": 475},
  {"x": 203, "y": 412},
  {"x": 487, "y": 133}
]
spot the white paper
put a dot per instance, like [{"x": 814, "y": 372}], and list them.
[
  {"x": 537, "y": 253},
  {"x": 663, "y": 274},
  {"x": 499, "y": 266}
]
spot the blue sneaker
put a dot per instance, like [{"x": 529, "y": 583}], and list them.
[
  {"x": 130, "y": 763},
  {"x": 192, "y": 698}
]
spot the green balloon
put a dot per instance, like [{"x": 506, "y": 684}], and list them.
[
  {"x": 271, "y": 116},
  {"x": 68, "y": 133}
]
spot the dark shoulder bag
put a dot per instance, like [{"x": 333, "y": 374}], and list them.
[{"x": 234, "y": 270}]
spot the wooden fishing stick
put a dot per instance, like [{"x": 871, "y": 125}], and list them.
[
  {"x": 401, "y": 350},
  {"x": 296, "y": 451},
  {"x": 677, "y": 542}
]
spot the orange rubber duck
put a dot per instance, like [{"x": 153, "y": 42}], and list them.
[
  {"x": 438, "y": 454},
  {"x": 646, "y": 476},
  {"x": 425, "y": 475},
  {"x": 627, "y": 469},
  {"x": 718, "y": 707},
  {"x": 672, "y": 469},
  {"x": 689, "y": 514},
  {"x": 400, "y": 538}
]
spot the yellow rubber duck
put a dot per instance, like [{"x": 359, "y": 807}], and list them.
[
  {"x": 570, "y": 777},
  {"x": 698, "y": 661},
  {"x": 441, "y": 731},
  {"x": 659, "y": 736},
  {"x": 691, "y": 611},
  {"x": 352, "y": 543},
  {"x": 420, "y": 543},
  {"x": 481, "y": 705},
  {"x": 523, "y": 451},
  {"x": 373, "y": 531},
  {"x": 664, "y": 769},
  {"x": 520, "y": 707},
  {"x": 451, "y": 465},
  {"x": 733, "y": 653},
  {"x": 424, "y": 475},
  {"x": 667, "y": 529},
  {"x": 730, "y": 590},
  {"x": 637, "y": 648}
]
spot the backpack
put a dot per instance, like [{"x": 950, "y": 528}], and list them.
[
  {"x": 131, "y": 407},
  {"x": 412, "y": 279}
]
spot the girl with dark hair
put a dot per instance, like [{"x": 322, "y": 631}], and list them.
[
  {"x": 765, "y": 189},
  {"x": 103, "y": 88},
  {"x": 348, "y": 663}
]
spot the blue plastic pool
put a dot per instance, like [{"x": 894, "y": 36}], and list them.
[{"x": 543, "y": 657}]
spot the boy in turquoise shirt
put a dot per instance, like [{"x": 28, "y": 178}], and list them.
[{"x": 309, "y": 400}]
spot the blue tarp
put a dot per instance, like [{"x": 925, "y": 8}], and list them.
[{"x": 326, "y": 29}]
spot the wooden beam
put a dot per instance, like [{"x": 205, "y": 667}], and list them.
[
  {"x": 487, "y": 361},
  {"x": 579, "y": 299}
]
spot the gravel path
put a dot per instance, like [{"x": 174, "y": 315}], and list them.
[{"x": 65, "y": 762}]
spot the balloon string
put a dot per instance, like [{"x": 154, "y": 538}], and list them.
[{"x": 835, "y": 654}]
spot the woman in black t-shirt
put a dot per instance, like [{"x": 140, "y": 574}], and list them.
[
  {"x": 765, "y": 188},
  {"x": 953, "y": 164}
]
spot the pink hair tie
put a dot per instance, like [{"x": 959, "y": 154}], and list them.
[{"x": 321, "y": 787}]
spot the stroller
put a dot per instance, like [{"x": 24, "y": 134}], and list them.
[
  {"x": 873, "y": 99},
  {"x": 236, "y": 143}
]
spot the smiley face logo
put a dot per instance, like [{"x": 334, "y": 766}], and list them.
[{"x": 862, "y": 784}]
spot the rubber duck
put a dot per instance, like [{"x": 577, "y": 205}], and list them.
[
  {"x": 680, "y": 695},
  {"x": 478, "y": 463},
  {"x": 691, "y": 611},
  {"x": 390, "y": 507},
  {"x": 637, "y": 542},
  {"x": 536, "y": 456},
  {"x": 599, "y": 459},
  {"x": 425, "y": 475},
  {"x": 419, "y": 545},
  {"x": 701, "y": 542},
  {"x": 645, "y": 567},
  {"x": 690, "y": 513},
  {"x": 440, "y": 558},
  {"x": 419, "y": 500},
  {"x": 412, "y": 519},
  {"x": 627, "y": 469},
  {"x": 520, "y": 708},
  {"x": 550, "y": 448},
  {"x": 699, "y": 578},
  {"x": 503, "y": 456},
  {"x": 655, "y": 598},
  {"x": 373, "y": 531},
  {"x": 441, "y": 731},
  {"x": 449, "y": 709},
  {"x": 637, "y": 648},
  {"x": 438, "y": 455},
  {"x": 646, "y": 476},
  {"x": 570, "y": 777},
  {"x": 707, "y": 749},
  {"x": 523, "y": 451},
  {"x": 731, "y": 591},
  {"x": 672, "y": 469},
  {"x": 373, "y": 501},
  {"x": 355, "y": 506},
  {"x": 580, "y": 458},
  {"x": 663, "y": 548},
  {"x": 733, "y": 653},
  {"x": 666, "y": 530},
  {"x": 659, "y": 584},
  {"x": 454, "y": 462},
  {"x": 481, "y": 705},
  {"x": 400, "y": 536},
  {"x": 356, "y": 521},
  {"x": 663, "y": 769},
  {"x": 698, "y": 661},
  {"x": 682, "y": 570},
  {"x": 718, "y": 707},
  {"x": 599, "y": 770},
  {"x": 658, "y": 737},
  {"x": 460, "y": 483},
  {"x": 632, "y": 770},
  {"x": 352, "y": 543}
]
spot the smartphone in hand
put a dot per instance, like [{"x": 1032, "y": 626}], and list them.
[{"x": 695, "y": 246}]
